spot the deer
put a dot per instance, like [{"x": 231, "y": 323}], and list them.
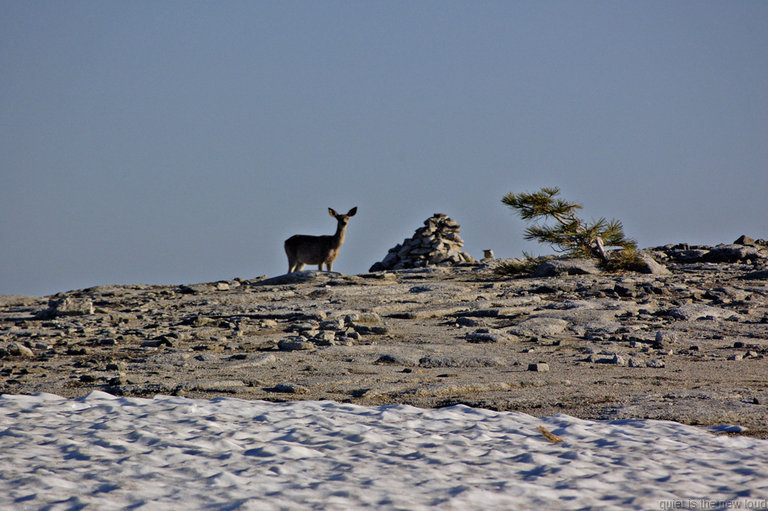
[{"x": 303, "y": 249}]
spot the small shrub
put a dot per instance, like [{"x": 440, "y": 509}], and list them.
[
  {"x": 626, "y": 259},
  {"x": 517, "y": 267}
]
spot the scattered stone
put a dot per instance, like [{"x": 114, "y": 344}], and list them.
[
  {"x": 118, "y": 380},
  {"x": 334, "y": 324},
  {"x": 294, "y": 344},
  {"x": 288, "y": 388},
  {"x": 539, "y": 367},
  {"x": 664, "y": 338},
  {"x": 613, "y": 359},
  {"x": 756, "y": 275},
  {"x": 157, "y": 343},
  {"x": 726, "y": 295},
  {"x": 309, "y": 334},
  {"x": 617, "y": 360},
  {"x": 656, "y": 363},
  {"x": 748, "y": 251},
  {"x": 362, "y": 318},
  {"x": 386, "y": 359},
  {"x": 625, "y": 290},
  {"x": 353, "y": 335},
  {"x": 325, "y": 336},
  {"x": 488, "y": 335},
  {"x": 305, "y": 326},
  {"x": 371, "y": 330},
  {"x": 733, "y": 253},
  {"x": 15, "y": 349},
  {"x": 467, "y": 321}
]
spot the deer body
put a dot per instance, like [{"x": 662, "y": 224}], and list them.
[{"x": 303, "y": 249}]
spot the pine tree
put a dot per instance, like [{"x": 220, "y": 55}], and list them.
[{"x": 570, "y": 234}]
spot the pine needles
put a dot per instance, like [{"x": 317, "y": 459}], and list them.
[{"x": 569, "y": 233}]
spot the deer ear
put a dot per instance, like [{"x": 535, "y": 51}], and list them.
[
  {"x": 352, "y": 211},
  {"x": 332, "y": 212}
]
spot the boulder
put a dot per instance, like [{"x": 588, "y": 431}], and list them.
[
  {"x": 67, "y": 306},
  {"x": 647, "y": 264},
  {"x": 19, "y": 350},
  {"x": 557, "y": 267}
]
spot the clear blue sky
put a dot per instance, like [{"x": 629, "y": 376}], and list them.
[{"x": 182, "y": 141}]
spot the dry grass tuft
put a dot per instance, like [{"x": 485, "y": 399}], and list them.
[{"x": 548, "y": 435}]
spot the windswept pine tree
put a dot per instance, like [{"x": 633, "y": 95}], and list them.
[{"x": 570, "y": 233}]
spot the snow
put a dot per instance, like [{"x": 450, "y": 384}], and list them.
[{"x": 105, "y": 452}]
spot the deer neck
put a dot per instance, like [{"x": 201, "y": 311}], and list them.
[{"x": 338, "y": 238}]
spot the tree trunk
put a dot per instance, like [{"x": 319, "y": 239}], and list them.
[{"x": 600, "y": 249}]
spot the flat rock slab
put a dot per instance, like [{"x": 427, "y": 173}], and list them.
[
  {"x": 540, "y": 326},
  {"x": 298, "y": 277},
  {"x": 694, "y": 311}
]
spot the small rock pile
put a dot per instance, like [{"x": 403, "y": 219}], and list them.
[
  {"x": 347, "y": 331},
  {"x": 436, "y": 244}
]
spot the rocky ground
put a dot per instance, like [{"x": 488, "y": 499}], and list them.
[{"x": 687, "y": 345}]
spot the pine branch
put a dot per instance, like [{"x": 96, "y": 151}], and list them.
[{"x": 570, "y": 234}]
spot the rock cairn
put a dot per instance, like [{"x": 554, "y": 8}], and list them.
[{"x": 436, "y": 244}]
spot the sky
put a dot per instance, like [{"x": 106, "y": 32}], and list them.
[{"x": 180, "y": 142}]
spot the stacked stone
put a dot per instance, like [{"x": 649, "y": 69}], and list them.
[{"x": 436, "y": 244}]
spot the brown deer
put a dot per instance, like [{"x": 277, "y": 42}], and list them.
[{"x": 302, "y": 249}]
